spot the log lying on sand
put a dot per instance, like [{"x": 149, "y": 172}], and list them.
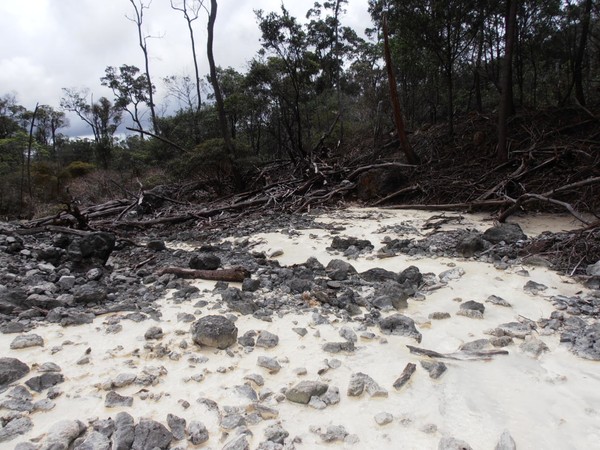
[{"x": 234, "y": 274}]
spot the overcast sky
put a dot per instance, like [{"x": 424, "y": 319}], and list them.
[{"x": 46, "y": 45}]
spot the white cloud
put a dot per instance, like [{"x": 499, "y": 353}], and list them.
[{"x": 46, "y": 45}]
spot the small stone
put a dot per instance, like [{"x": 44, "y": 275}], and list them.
[
  {"x": 266, "y": 339},
  {"x": 114, "y": 400},
  {"x": 450, "y": 443},
  {"x": 495, "y": 300},
  {"x": 177, "y": 426},
  {"x": 198, "y": 432},
  {"x": 214, "y": 331},
  {"x": 506, "y": 442},
  {"x": 268, "y": 363},
  {"x": 439, "y": 315},
  {"x": 534, "y": 347},
  {"x": 153, "y": 333},
  {"x": 383, "y": 418},
  {"x": 303, "y": 391},
  {"x": 435, "y": 369},
  {"x": 300, "y": 331},
  {"x": 533, "y": 288},
  {"x": 27, "y": 340}
]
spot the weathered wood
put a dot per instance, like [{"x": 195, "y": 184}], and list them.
[
  {"x": 235, "y": 274},
  {"x": 405, "y": 376}
]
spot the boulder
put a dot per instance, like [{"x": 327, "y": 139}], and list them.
[
  {"x": 400, "y": 325},
  {"x": 150, "y": 434},
  {"x": 507, "y": 232},
  {"x": 11, "y": 369},
  {"x": 303, "y": 391},
  {"x": 214, "y": 331}
]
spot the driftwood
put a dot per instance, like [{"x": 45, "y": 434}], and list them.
[
  {"x": 235, "y": 274},
  {"x": 405, "y": 376},
  {"x": 460, "y": 355}
]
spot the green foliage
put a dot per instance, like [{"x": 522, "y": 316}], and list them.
[{"x": 79, "y": 169}]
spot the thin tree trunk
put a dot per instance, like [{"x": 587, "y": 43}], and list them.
[
  {"x": 214, "y": 81},
  {"x": 577, "y": 68},
  {"x": 139, "y": 14},
  {"x": 506, "y": 101},
  {"x": 411, "y": 156},
  {"x": 27, "y": 163}
]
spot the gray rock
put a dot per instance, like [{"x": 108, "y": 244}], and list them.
[
  {"x": 115, "y": 400},
  {"x": 533, "y": 288},
  {"x": 470, "y": 313},
  {"x": 451, "y": 274},
  {"x": 66, "y": 282},
  {"x": 334, "y": 433},
  {"x": 360, "y": 382},
  {"x": 593, "y": 269},
  {"x": 339, "y": 270},
  {"x": 300, "y": 331},
  {"x": 156, "y": 245},
  {"x": 94, "y": 441},
  {"x": 177, "y": 426},
  {"x": 438, "y": 315},
  {"x": 507, "y": 232},
  {"x": 435, "y": 368},
  {"x": 383, "y": 418},
  {"x": 342, "y": 243},
  {"x": 11, "y": 327},
  {"x": 410, "y": 276},
  {"x": 378, "y": 275},
  {"x": 276, "y": 433},
  {"x": 475, "y": 346},
  {"x": 27, "y": 340},
  {"x": 332, "y": 396},
  {"x": 473, "y": 305},
  {"x": 93, "y": 249},
  {"x": 400, "y": 325},
  {"x": 62, "y": 434},
  {"x": 267, "y": 339},
  {"x": 470, "y": 244},
  {"x": 271, "y": 364},
  {"x": 150, "y": 434},
  {"x": 348, "y": 334},
  {"x": 123, "y": 436},
  {"x": 198, "y": 432},
  {"x": 49, "y": 367},
  {"x": 506, "y": 442},
  {"x": 337, "y": 347},
  {"x": 514, "y": 329},
  {"x": 495, "y": 300},
  {"x": 153, "y": 333},
  {"x": 14, "y": 427},
  {"x": 89, "y": 293},
  {"x": 18, "y": 399},
  {"x": 11, "y": 369},
  {"x": 232, "y": 421},
  {"x": 586, "y": 342},
  {"x": 303, "y": 391},
  {"x": 250, "y": 285},
  {"x": 204, "y": 261},
  {"x": 44, "y": 381},
  {"x": 534, "y": 347},
  {"x": 214, "y": 331},
  {"x": 450, "y": 443},
  {"x": 237, "y": 443}
]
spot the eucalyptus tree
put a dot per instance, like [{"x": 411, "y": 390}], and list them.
[
  {"x": 445, "y": 29},
  {"x": 48, "y": 122},
  {"x": 292, "y": 67},
  {"x": 102, "y": 117},
  {"x": 130, "y": 89},
  {"x": 138, "y": 7},
  {"x": 191, "y": 11}
]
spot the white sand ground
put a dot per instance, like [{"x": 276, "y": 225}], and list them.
[{"x": 552, "y": 402}]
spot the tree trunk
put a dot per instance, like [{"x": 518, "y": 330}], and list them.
[
  {"x": 411, "y": 156},
  {"x": 212, "y": 17},
  {"x": 139, "y": 14},
  {"x": 28, "y": 162},
  {"x": 506, "y": 101},
  {"x": 577, "y": 67}
]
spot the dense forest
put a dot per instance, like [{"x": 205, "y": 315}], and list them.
[{"x": 489, "y": 76}]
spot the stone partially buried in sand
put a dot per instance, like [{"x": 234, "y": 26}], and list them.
[
  {"x": 214, "y": 331},
  {"x": 11, "y": 369}
]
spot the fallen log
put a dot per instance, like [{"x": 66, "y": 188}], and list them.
[
  {"x": 235, "y": 274},
  {"x": 460, "y": 355}
]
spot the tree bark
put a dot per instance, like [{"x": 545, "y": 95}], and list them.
[
  {"x": 411, "y": 156},
  {"x": 212, "y": 17},
  {"x": 506, "y": 108}
]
